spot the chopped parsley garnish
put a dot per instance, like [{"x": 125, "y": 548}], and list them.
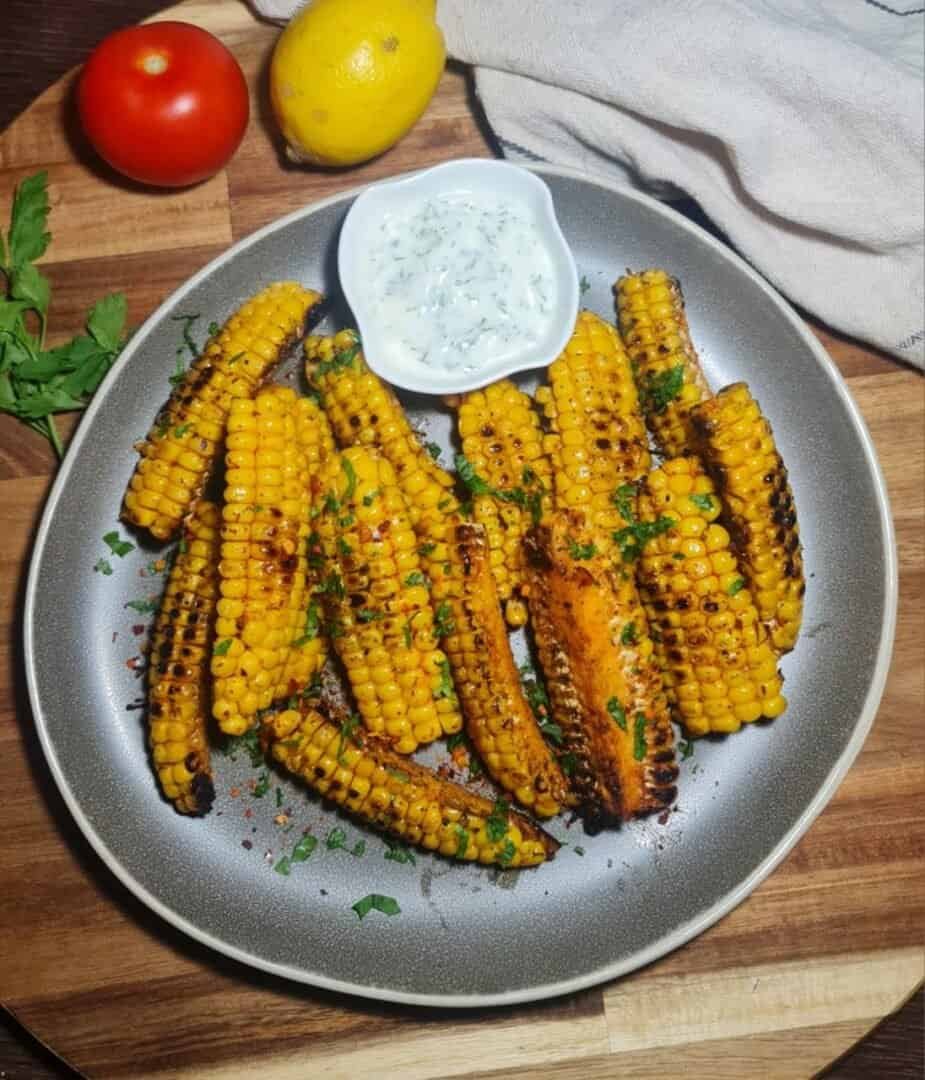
[
  {"x": 279, "y": 797},
  {"x": 116, "y": 545},
  {"x": 188, "y": 341},
  {"x": 248, "y": 743},
  {"x": 702, "y": 502},
  {"x": 433, "y": 449},
  {"x": 342, "y": 359},
  {"x": 496, "y": 822},
  {"x": 262, "y": 786},
  {"x": 617, "y": 713},
  {"x": 221, "y": 647},
  {"x": 581, "y": 551},
  {"x": 312, "y": 625},
  {"x": 181, "y": 430},
  {"x": 470, "y": 477},
  {"x": 371, "y": 497},
  {"x": 458, "y": 738},
  {"x": 143, "y": 607},
  {"x": 347, "y": 465},
  {"x": 343, "y": 547},
  {"x": 679, "y": 555},
  {"x": 639, "y": 737},
  {"x": 364, "y": 615},
  {"x": 579, "y": 850},
  {"x": 444, "y": 504},
  {"x": 398, "y": 853},
  {"x": 284, "y": 866},
  {"x": 416, "y": 578},
  {"x": 407, "y": 635},
  {"x": 399, "y": 774},
  {"x": 427, "y": 549},
  {"x": 462, "y": 842},
  {"x": 736, "y": 586},
  {"x": 686, "y": 746},
  {"x": 348, "y": 730},
  {"x": 506, "y": 854},
  {"x": 358, "y": 849},
  {"x": 551, "y": 731},
  {"x": 304, "y": 848},
  {"x": 335, "y": 840},
  {"x": 314, "y": 551},
  {"x": 445, "y": 688},
  {"x": 623, "y": 499},
  {"x": 583, "y": 285},
  {"x": 568, "y": 763},
  {"x": 330, "y": 504},
  {"x": 477, "y": 485},
  {"x": 443, "y": 619},
  {"x": 333, "y": 585},
  {"x": 628, "y": 634},
  {"x": 658, "y": 390},
  {"x": 376, "y": 902},
  {"x": 214, "y": 329},
  {"x": 346, "y": 521},
  {"x": 102, "y": 566},
  {"x": 633, "y": 539},
  {"x": 179, "y": 374},
  {"x": 538, "y": 700}
]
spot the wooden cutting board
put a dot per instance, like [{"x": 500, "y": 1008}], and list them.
[{"x": 826, "y": 947}]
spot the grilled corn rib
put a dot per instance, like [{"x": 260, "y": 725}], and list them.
[
  {"x": 604, "y": 685},
  {"x": 182, "y": 446},
  {"x": 719, "y": 667},
  {"x": 262, "y": 571},
  {"x": 738, "y": 449},
  {"x": 650, "y": 308},
  {"x": 377, "y": 605},
  {"x": 503, "y": 445},
  {"x": 454, "y": 555},
  {"x": 361, "y": 774},
  {"x": 179, "y": 659},
  {"x": 596, "y": 436}
]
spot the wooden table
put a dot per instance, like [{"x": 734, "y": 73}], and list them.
[{"x": 826, "y": 947}]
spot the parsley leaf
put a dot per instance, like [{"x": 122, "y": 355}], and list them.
[
  {"x": 106, "y": 321},
  {"x": 735, "y": 587},
  {"x": 284, "y": 866},
  {"x": 443, "y": 619},
  {"x": 376, "y": 902},
  {"x": 632, "y": 540},
  {"x": 628, "y": 634},
  {"x": 583, "y": 285},
  {"x": 445, "y": 688},
  {"x": 221, "y": 647},
  {"x": 686, "y": 746},
  {"x": 660, "y": 389},
  {"x": 347, "y": 466},
  {"x": 248, "y": 743},
  {"x": 433, "y": 449},
  {"x": 143, "y": 607},
  {"x": 416, "y": 578},
  {"x": 102, "y": 566},
  {"x": 462, "y": 842},
  {"x": 581, "y": 551},
  {"x": 348, "y": 730},
  {"x": 364, "y": 615},
  {"x": 496, "y": 822},
  {"x": 624, "y": 499},
  {"x": 342, "y": 359},
  {"x": 262, "y": 786},
  {"x": 617, "y": 713},
  {"x": 29, "y": 236},
  {"x": 702, "y": 502},
  {"x": 470, "y": 477},
  {"x": 506, "y": 854},
  {"x": 398, "y": 853},
  {"x": 188, "y": 341},
  {"x": 304, "y": 848},
  {"x": 639, "y": 737},
  {"x": 312, "y": 625}
]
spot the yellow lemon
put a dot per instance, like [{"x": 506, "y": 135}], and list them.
[{"x": 350, "y": 77}]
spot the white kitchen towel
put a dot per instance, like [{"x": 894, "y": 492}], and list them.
[{"x": 796, "y": 124}]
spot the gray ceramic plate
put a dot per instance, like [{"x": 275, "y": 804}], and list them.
[{"x": 468, "y": 936}]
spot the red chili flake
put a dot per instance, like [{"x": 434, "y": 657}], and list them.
[
  {"x": 248, "y": 813},
  {"x": 663, "y": 817},
  {"x": 246, "y": 844},
  {"x": 234, "y": 792},
  {"x": 138, "y": 628},
  {"x": 133, "y": 662}
]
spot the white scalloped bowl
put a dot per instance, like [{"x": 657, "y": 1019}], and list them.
[{"x": 478, "y": 176}]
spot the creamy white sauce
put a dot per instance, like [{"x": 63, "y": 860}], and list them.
[{"x": 459, "y": 280}]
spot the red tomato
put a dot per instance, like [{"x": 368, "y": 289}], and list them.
[{"x": 165, "y": 103}]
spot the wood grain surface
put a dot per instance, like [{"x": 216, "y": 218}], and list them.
[{"x": 823, "y": 950}]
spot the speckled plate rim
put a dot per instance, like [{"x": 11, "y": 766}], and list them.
[{"x": 668, "y": 942}]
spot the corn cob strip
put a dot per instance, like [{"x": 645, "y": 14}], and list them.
[
  {"x": 499, "y": 721},
  {"x": 503, "y": 445},
  {"x": 596, "y": 437},
  {"x": 364, "y": 411},
  {"x": 177, "y": 710},
  {"x": 182, "y": 446},
  {"x": 737, "y": 447},
  {"x": 400, "y": 797},
  {"x": 377, "y": 605},
  {"x": 262, "y": 572},
  {"x": 604, "y": 685},
  {"x": 720, "y": 670},
  {"x": 650, "y": 307},
  {"x": 454, "y": 556}
]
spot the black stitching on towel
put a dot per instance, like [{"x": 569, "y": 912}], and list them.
[
  {"x": 893, "y": 11},
  {"x": 518, "y": 149}
]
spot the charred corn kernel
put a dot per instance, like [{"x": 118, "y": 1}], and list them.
[
  {"x": 181, "y": 448},
  {"x": 503, "y": 445},
  {"x": 267, "y": 635},
  {"x": 650, "y": 307},
  {"x": 604, "y": 684},
  {"x": 396, "y": 795},
  {"x": 178, "y": 666},
  {"x": 377, "y": 604},
  {"x": 498, "y": 719},
  {"x": 596, "y": 436},
  {"x": 719, "y": 666},
  {"x": 364, "y": 411},
  {"x": 738, "y": 449}
]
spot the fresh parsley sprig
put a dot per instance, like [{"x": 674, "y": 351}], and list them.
[{"x": 35, "y": 382}]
